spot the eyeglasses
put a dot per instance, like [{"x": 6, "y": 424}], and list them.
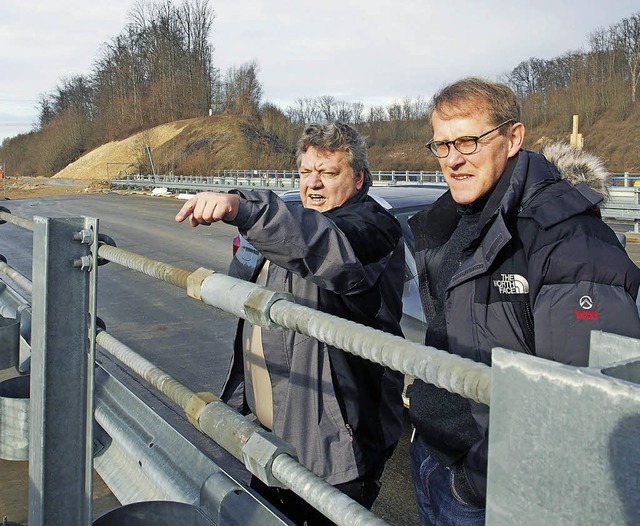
[{"x": 465, "y": 145}]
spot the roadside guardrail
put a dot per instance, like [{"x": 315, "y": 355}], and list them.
[
  {"x": 269, "y": 179},
  {"x": 278, "y": 180},
  {"x": 623, "y": 203}
]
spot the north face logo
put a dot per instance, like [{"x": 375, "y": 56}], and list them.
[{"x": 511, "y": 284}]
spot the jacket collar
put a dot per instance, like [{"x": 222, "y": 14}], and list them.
[
  {"x": 359, "y": 197},
  {"x": 519, "y": 192},
  {"x": 433, "y": 227}
]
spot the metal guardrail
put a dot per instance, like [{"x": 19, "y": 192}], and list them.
[
  {"x": 535, "y": 477},
  {"x": 279, "y": 180},
  {"x": 623, "y": 203},
  {"x": 270, "y": 179},
  {"x": 266, "y": 456},
  {"x": 625, "y": 179}
]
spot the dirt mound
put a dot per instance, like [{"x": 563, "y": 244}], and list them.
[
  {"x": 189, "y": 147},
  {"x": 118, "y": 158}
]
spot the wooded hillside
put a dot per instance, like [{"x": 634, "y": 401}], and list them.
[{"x": 160, "y": 69}]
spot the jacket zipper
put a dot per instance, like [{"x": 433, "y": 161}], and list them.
[{"x": 528, "y": 319}]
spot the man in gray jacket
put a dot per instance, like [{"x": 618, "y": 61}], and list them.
[
  {"x": 514, "y": 255},
  {"x": 341, "y": 253}
]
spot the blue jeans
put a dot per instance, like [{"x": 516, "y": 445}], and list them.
[{"x": 438, "y": 504}]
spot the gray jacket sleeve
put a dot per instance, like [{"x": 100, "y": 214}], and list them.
[{"x": 305, "y": 242}]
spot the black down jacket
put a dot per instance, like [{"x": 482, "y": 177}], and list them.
[{"x": 543, "y": 272}]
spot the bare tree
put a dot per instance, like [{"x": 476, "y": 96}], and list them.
[
  {"x": 243, "y": 89},
  {"x": 326, "y": 105},
  {"x": 357, "y": 109},
  {"x": 304, "y": 111},
  {"x": 627, "y": 39},
  {"x": 343, "y": 111},
  {"x": 394, "y": 111},
  {"x": 376, "y": 115}
]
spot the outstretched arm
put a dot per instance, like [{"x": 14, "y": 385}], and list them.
[{"x": 208, "y": 207}]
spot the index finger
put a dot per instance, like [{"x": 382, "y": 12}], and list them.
[{"x": 186, "y": 210}]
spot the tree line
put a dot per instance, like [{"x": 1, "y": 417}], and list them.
[
  {"x": 160, "y": 68},
  {"x": 603, "y": 78}
]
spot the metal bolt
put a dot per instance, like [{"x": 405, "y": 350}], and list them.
[
  {"x": 84, "y": 236},
  {"x": 83, "y": 263}
]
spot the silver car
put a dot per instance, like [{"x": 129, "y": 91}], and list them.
[{"x": 402, "y": 202}]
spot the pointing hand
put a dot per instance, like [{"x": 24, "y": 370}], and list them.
[{"x": 208, "y": 207}]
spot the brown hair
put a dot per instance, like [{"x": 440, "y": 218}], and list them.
[{"x": 471, "y": 95}]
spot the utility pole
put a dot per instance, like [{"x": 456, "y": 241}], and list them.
[
  {"x": 153, "y": 168},
  {"x": 576, "y": 138}
]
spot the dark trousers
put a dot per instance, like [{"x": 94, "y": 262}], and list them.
[
  {"x": 363, "y": 490},
  {"x": 438, "y": 502}
]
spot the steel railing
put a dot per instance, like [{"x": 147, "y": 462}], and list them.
[
  {"x": 270, "y": 179},
  {"x": 266, "y": 456},
  {"x": 623, "y": 202}
]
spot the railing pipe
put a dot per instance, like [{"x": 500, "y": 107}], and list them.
[
  {"x": 162, "y": 271},
  {"x": 448, "y": 371},
  {"x": 161, "y": 380},
  {"x": 220, "y": 422},
  {"x": 266, "y": 308},
  {"x": 223, "y": 424},
  {"x": 271, "y": 459},
  {"x": 20, "y": 280},
  {"x": 330, "y": 502},
  {"x": 6, "y": 216}
]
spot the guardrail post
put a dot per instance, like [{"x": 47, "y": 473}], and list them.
[
  {"x": 573, "y": 456},
  {"x": 62, "y": 362}
]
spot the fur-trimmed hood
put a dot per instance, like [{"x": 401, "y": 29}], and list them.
[{"x": 577, "y": 166}]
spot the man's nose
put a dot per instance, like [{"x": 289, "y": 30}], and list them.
[
  {"x": 454, "y": 158},
  {"x": 314, "y": 180}
]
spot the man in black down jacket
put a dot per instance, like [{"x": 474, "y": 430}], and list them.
[
  {"x": 514, "y": 255},
  {"x": 341, "y": 253}
]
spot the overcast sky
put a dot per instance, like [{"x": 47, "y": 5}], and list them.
[{"x": 373, "y": 51}]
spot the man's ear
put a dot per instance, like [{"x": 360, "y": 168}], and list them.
[
  {"x": 359, "y": 179},
  {"x": 516, "y": 138}
]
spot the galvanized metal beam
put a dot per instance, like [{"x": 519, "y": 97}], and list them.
[
  {"x": 62, "y": 345},
  {"x": 564, "y": 443}
]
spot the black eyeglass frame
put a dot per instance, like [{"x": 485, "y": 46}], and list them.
[{"x": 434, "y": 149}]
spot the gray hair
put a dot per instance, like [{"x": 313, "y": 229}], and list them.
[
  {"x": 471, "y": 95},
  {"x": 337, "y": 136}
]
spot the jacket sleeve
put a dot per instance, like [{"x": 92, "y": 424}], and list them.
[
  {"x": 344, "y": 251},
  {"x": 587, "y": 283}
]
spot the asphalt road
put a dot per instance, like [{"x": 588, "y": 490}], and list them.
[{"x": 184, "y": 337}]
